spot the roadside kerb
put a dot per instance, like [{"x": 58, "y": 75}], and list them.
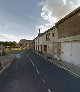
[
  {"x": 61, "y": 67},
  {"x": 7, "y": 65}
]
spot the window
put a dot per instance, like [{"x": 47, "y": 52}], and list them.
[
  {"x": 48, "y": 37},
  {"x": 36, "y": 47},
  {"x": 52, "y": 34}
]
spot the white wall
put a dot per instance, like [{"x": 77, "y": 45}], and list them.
[
  {"x": 36, "y": 43},
  {"x": 40, "y": 42},
  {"x": 66, "y": 51},
  {"x": 76, "y": 52},
  {"x": 52, "y": 39}
]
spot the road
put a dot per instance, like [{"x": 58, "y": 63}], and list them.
[{"x": 32, "y": 73}]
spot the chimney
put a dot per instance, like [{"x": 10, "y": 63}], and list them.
[{"x": 39, "y": 30}]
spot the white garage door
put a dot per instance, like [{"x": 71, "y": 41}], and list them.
[
  {"x": 70, "y": 52},
  {"x": 66, "y": 51},
  {"x": 76, "y": 52}
]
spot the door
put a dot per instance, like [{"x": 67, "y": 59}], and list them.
[
  {"x": 76, "y": 52},
  {"x": 66, "y": 51},
  {"x": 45, "y": 48}
]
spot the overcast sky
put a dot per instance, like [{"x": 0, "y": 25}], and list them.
[{"x": 21, "y": 19}]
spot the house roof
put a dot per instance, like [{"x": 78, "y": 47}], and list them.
[
  {"x": 24, "y": 40},
  {"x": 60, "y": 21},
  {"x": 46, "y": 32},
  {"x": 68, "y": 16},
  {"x": 50, "y": 29}
]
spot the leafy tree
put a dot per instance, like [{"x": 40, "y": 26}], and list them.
[{"x": 6, "y": 43}]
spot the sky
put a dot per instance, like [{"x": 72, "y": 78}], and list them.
[{"x": 21, "y": 19}]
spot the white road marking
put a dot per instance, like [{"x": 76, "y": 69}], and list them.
[
  {"x": 37, "y": 71},
  {"x": 32, "y": 62},
  {"x": 43, "y": 81},
  {"x": 49, "y": 90},
  {"x": 46, "y": 59},
  {"x": 34, "y": 65},
  {"x": 30, "y": 59}
]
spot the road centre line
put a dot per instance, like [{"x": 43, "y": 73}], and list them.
[
  {"x": 34, "y": 65},
  {"x": 37, "y": 70},
  {"x": 43, "y": 81},
  {"x": 49, "y": 90},
  {"x": 31, "y": 61}
]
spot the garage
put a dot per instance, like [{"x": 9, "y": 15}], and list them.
[{"x": 70, "y": 52}]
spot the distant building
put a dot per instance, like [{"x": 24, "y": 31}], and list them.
[
  {"x": 25, "y": 43},
  {"x": 33, "y": 45}
]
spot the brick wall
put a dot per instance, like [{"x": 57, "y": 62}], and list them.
[{"x": 70, "y": 27}]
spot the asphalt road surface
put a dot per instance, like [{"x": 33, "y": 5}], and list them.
[{"x": 32, "y": 73}]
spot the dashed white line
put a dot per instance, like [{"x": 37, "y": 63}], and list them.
[
  {"x": 32, "y": 62},
  {"x": 34, "y": 65},
  {"x": 43, "y": 81},
  {"x": 49, "y": 90},
  {"x": 30, "y": 59},
  {"x": 37, "y": 71}
]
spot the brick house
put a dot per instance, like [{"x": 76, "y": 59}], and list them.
[
  {"x": 49, "y": 43},
  {"x": 46, "y": 42},
  {"x": 69, "y": 37},
  {"x": 25, "y": 43}
]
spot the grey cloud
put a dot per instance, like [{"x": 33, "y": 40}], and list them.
[
  {"x": 59, "y": 9},
  {"x": 54, "y": 10}
]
